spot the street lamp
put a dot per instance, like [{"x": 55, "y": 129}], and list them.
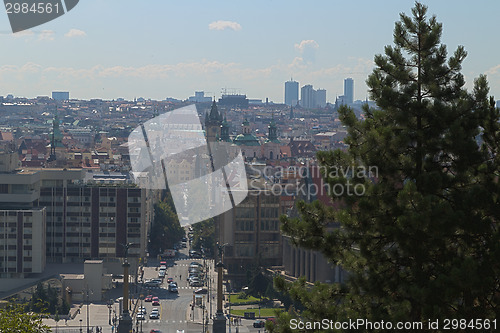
[
  {"x": 86, "y": 291},
  {"x": 110, "y": 303}
]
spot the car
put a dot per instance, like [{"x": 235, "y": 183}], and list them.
[
  {"x": 155, "y": 331},
  {"x": 142, "y": 309},
  {"x": 148, "y": 298},
  {"x": 156, "y": 301},
  {"x": 259, "y": 323},
  {"x": 173, "y": 288},
  {"x": 154, "y": 315},
  {"x": 152, "y": 283},
  {"x": 195, "y": 283},
  {"x": 184, "y": 239},
  {"x": 170, "y": 280},
  {"x": 161, "y": 274},
  {"x": 201, "y": 291},
  {"x": 140, "y": 316}
]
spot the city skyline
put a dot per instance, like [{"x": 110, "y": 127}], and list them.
[{"x": 153, "y": 52}]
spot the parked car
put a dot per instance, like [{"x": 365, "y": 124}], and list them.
[
  {"x": 155, "y": 331},
  {"x": 152, "y": 283},
  {"x": 259, "y": 323},
  {"x": 195, "y": 283},
  {"x": 201, "y": 291}
]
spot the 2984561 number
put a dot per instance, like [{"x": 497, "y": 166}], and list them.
[
  {"x": 35, "y": 8},
  {"x": 473, "y": 324}
]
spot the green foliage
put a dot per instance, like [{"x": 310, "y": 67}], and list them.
[
  {"x": 423, "y": 240},
  {"x": 47, "y": 300},
  {"x": 166, "y": 229},
  {"x": 242, "y": 295},
  {"x": 13, "y": 319},
  {"x": 204, "y": 236}
]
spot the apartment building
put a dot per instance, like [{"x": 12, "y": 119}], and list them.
[
  {"x": 251, "y": 235},
  {"x": 74, "y": 219}
]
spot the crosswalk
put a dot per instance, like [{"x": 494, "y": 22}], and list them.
[
  {"x": 167, "y": 321},
  {"x": 191, "y": 288}
]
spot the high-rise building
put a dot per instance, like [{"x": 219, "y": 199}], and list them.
[
  {"x": 320, "y": 98},
  {"x": 349, "y": 90},
  {"x": 77, "y": 218},
  {"x": 291, "y": 92},
  {"x": 60, "y": 95},
  {"x": 307, "y": 97}
]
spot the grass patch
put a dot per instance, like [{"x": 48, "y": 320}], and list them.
[
  {"x": 235, "y": 298},
  {"x": 264, "y": 312}
]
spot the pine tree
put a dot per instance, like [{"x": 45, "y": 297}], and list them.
[{"x": 422, "y": 242}]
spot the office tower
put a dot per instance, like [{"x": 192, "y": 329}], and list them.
[
  {"x": 60, "y": 95},
  {"x": 307, "y": 97},
  {"x": 320, "y": 98},
  {"x": 349, "y": 90},
  {"x": 291, "y": 92}
]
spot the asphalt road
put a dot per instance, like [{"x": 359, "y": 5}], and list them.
[{"x": 176, "y": 312}]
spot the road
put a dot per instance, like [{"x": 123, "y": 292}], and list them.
[{"x": 176, "y": 312}]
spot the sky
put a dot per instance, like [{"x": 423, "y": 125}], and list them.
[{"x": 163, "y": 48}]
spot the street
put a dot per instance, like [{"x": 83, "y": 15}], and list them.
[{"x": 176, "y": 312}]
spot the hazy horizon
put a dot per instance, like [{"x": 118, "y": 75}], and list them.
[{"x": 159, "y": 49}]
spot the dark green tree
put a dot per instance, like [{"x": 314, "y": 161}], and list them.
[
  {"x": 166, "y": 229},
  {"x": 204, "y": 236},
  {"x": 422, "y": 240},
  {"x": 13, "y": 319}
]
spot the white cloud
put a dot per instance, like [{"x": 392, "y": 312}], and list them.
[
  {"x": 75, "y": 33},
  {"x": 223, "y": 25},
  {"x": 46, "y": 35},
  {"x": 307, "y": 44},
  {"x": 24, "y": 33}
]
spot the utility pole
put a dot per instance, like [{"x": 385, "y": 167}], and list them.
[
  {"x": 125, "y": 322},
  {"x": 86, "y": 294},
  {"x": 219, "y": 321}
]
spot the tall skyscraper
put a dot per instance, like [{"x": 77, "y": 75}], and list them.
[
  {"x": 307, "y": 97},
  {"x": 60, "y": 95},
  {"x": 320, "y": 98},
  {"x": 349, "y": 90},
  {"x": 291, "y": 92}
]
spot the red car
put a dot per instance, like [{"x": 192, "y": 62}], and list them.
[
  {"x": 169, "y": 280},
  {"x": 148, "y": 298},
  {"x": 156, "y": 301}
]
